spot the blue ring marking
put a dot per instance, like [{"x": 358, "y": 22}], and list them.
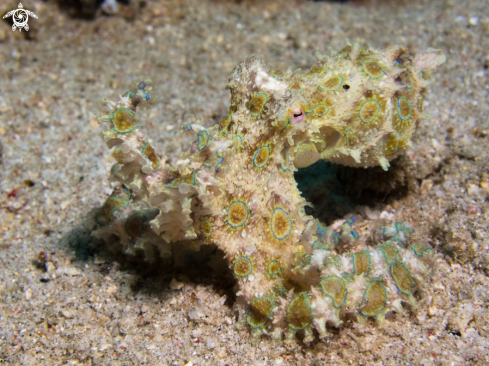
[
  {"x": 272, "y": 74},
  {"x": 282, "y": 292},
  {"x": 146, "y": 143},
  {"x": 240, "y": 142},
  {"x": 141, "y": 85},
  {"x": 399, "y": 105},
  {"x": 208, "y": 166},
  {"x": 112, "y": 116},
  {"x": 179, "y": 181},
  {"x": 394, "y": 149},
  {"x": 271, "y": 224},
  {"x": 146, "y": 96},
  {"x": 144, "y": 147},
  {"x": 349, "y": 135},
  {"x": 422, "y": 72},
  {"x": 247, "y": 214},
  {"x": 383, "y": 231},
  {"x": 341, "y": 84},
  {"x": 189, "y": 126},
  {"x": 318, "y": 245},
  {"x": 399, "y": 226},
  {"x": 410, "y": 74},
  {"x": 378, "y": 77},
  {"x": 319, "y": 115},
  {"x": 355, "y": 235},
  {"x": 277, "y": 273},
  {"x": 201, "y": 229},
  {"x": 331, "y": 297},
  {"x": 320, "y": 230},
  {"x": 363, "y": 299},
  {"x": 347, "y": 275},
  {"x": 350, "y": 221},
  {"x": 309, "y": 257},
  {"x": 221, "y": 158},
  {"x": 297, "y": 254},
  {"x": 114, "y": 168},
  {"x": 408, "y": 230},
  {"x": 420, "y": 255},
  {"x": 266, "y": 161},
  {"x": 261, "y": 110},
  {"x": 203, "y": 137},
  {"x": 269, "y": 315},
  {"x": 334, "y": 260},
  {"x": 376, "y": 114},
  {"x": 111, "y": 213},
  {"x": 284, "y": 169},
  {"x": 288, "y": 123},
  {"x": 397, "y": 241},
  {"x": 384, "y": 254},
  {"x": 249, "y": 261},
  {"x": 310, "y": 312},
  {"x": 304, "y": 109},
  {"x": 127, "y": 191},
  {"x": 369, "y": 262},
  {"x": 410, "y": 276}
]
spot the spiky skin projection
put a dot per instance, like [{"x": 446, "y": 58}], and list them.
[{"x": 359, "y": 107}]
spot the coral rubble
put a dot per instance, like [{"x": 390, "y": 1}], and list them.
[{"x": 359, "y": 108}]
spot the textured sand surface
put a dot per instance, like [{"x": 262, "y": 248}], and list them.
[{"x": 62, "y": 300}]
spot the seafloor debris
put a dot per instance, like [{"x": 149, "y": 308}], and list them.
[{"x": 359, "y": 108}]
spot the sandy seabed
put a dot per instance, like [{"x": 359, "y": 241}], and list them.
[{"x": 65, "y": 301}]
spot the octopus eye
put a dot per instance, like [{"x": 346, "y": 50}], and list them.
[{"x": 297, "y": 115}]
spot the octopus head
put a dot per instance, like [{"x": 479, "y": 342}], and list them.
[{"x": 358, "y": 108}]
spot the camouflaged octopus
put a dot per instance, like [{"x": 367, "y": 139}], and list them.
[{"x": 236, "y": 189}]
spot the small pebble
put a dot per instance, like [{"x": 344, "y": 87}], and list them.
[
  {"x": 67, "y": 314},
  {"x": 196, "y": 333},
  {"x": 50, "y": 267},
  {"x": 28, "y": 294},
  {"x": 176, "y": 285}
]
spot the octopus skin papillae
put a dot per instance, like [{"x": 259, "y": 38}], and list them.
[{"x": 359, "y": 107}]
